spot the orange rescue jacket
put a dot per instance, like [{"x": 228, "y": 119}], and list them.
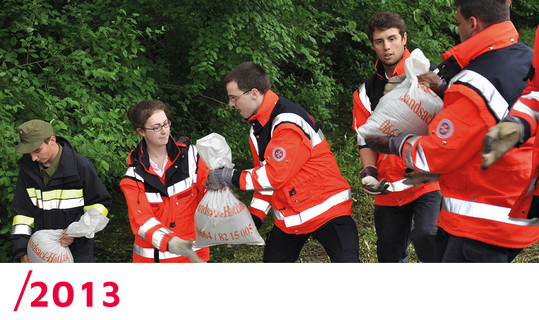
[
  {"x": 476, "y": 203},
  {"x": 161, "y": 208},
  {"x": 294, "y": 171}
]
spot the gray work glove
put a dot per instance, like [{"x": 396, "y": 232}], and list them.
[
  {"x": 183, "y": 247},
  {"x": 371, "y": 185},
  {"x": 416, "y": 178},
  {"x": 500, "y": 139},
  {"x": 219, "y": 178},
  {"x": 393, "y": 82}
]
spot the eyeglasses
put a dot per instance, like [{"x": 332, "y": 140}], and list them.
[
  {"x": 159, "y": 127},
  {"x": 234, "y": 98}
]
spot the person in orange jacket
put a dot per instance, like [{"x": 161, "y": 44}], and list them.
[
  {"x": 519, "y": 126},
  {"x": 485, "y": 74},
  {"x": 162, "y": 186},
  {"x": 294, "y": 172},
  {"x": 396, "y": 203}
]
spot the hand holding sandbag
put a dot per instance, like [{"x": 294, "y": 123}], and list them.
[{"x": 393, "y": 82}]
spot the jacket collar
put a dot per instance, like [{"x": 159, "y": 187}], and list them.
[
  {"x": 495, "y": 37},
  {"x": 264, "y": 111},
  {"x": 140, "y": 155},
  {"x": 67, "y": 167},
  {"x": 399, "y": 69}
]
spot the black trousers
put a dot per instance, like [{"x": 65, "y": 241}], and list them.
[
  {"x": 451, "y": 248},
  {"x": 338, "y": 236}
]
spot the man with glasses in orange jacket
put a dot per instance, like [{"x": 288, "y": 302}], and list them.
[{"x": 295, "y": 173}]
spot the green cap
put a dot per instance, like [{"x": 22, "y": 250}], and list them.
[{"x": 32, "y": 134}]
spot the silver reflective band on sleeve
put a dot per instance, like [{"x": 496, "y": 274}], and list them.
[
  {"x": 495, "y": 101},
  {"x": 420, "y": 163},
  {"x": 21, "y": 229},
  {"x": 522, "y": 107},
  {"x": 158, "y": 235},
  {"x": 484, "y": 211},
  {"x": 263, "y": 180},
  {"x": 147, "y": 226},
  {"x": 149, "y": 253},
  {"x": 249, "y": 180},
  {"x": 266, "y": 192},
  {"x": 316, "y": 137},
  {"x": 260, "y": 204},
  {"x": 315, "y": 211},
  {"x": 131, "y": 173}
]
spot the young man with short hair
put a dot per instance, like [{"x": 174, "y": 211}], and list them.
[
  {"x": 55, "y": 187},
  {"x": 486, "y": 73},
  {"x": 400, "y": 204},
  {"x": 295, "y": 173}
]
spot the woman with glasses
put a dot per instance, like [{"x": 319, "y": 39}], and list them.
[{"x": 162, "y": 187}]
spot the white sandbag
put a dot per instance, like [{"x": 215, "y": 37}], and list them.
[
  {"x": 44, "y": 246},
  {"x": 408, "y": 108},
  {"x": 215, "y": 151},
  {"x": 90, "y": 222},
  {"x": 221, "y": 218}
]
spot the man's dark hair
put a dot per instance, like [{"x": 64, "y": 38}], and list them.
[
  {"x": 489, "y": 12},
  {"x": 383, "y": 21},
  {"x": 249, "y": 75}
]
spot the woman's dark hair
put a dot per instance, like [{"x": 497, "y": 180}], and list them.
[{"x": 140, "y": 112}]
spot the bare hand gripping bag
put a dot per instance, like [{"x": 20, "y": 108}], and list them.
[
  {"x": 44, "y": 246},
  {"x": 408, "y": 108},
  {"x": 221, "y": 218}
]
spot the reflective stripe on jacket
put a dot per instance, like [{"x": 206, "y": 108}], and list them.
[
  {"x": 477, "y": 202},
  {"x": 161, "y": 208},
  {"x": 390, "y": 167},
  {"x": 72, "y": 190},
  {"x": 295, "y": 172}
]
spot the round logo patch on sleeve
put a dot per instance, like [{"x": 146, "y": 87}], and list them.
[
  {"x": 279, "y": 154},
  {"x": 445, "y": 129}
]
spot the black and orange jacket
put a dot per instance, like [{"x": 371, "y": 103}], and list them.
[
  {"x": 295, "y": 172},
  {"x": 492, "y": 68},
  {"x": 163, "y": 207}
]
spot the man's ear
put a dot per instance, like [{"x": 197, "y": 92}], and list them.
[
  {"x": 476, "y": 25},
  {"x": 52, "y": 139},
  {"x": 405, "y": 38}
]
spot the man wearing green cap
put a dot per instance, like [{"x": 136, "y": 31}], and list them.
[{"x": 55, "y": 187}]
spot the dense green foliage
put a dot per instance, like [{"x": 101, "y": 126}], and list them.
[{"x": 81, "y": 64}]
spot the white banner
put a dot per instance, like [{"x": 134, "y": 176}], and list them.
[{"x": 267, "y": 291}]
